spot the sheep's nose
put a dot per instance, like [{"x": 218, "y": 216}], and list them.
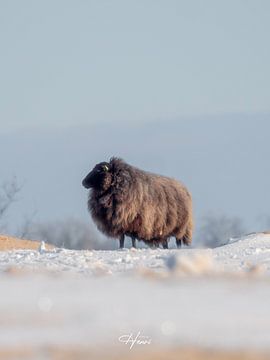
[{"x": 84, "y": 183}]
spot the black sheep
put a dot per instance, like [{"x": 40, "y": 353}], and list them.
[{"x": 125, "y": 200}]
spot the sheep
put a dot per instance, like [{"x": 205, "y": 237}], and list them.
[{"x": 125, "y": 200}]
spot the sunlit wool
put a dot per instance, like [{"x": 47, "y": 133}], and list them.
[{"x": 125, "y": 200}]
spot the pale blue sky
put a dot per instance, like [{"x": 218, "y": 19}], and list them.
[{"x": 64, "y": 62}]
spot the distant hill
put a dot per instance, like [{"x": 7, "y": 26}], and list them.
[{"x": 223, "y": 160}]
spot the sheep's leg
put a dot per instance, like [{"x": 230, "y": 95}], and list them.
[
  {"x": 121, "y": 241},
  {"x": 165, "y": 244},
  {"x": 152, "y": 244},
  {"x": 133, "y": 239},
  {"x": 178, "y": 243}
]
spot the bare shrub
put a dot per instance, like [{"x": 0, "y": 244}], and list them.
[
  {"x": 216, "y": 230},
  {"x": 8, "y": 195},
  {"x": 71, "y": 234}
]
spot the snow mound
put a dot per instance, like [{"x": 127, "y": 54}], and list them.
[{"x": 251, "y": 252}]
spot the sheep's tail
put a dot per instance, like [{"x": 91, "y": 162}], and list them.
[{"x": 187, "y": 238}]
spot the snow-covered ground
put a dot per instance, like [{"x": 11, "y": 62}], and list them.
[{"x": 190, "y": 297}]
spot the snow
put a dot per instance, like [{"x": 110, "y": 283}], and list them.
[
  {"x": 200, "y": 297},
  {"x": 253, "y": 250}
]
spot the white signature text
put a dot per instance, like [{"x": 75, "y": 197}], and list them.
[{"x": 135, "y": 340}]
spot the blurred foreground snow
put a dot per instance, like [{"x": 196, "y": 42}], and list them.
[{"x": 191, "y": 297}]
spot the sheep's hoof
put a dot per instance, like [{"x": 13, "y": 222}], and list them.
[{"x": 178, "y": 243}]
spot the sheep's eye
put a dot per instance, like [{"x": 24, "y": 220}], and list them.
[{"x": 105, "y": 168}]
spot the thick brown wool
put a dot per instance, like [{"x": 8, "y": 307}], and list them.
[{"x": 125, "y": 200}]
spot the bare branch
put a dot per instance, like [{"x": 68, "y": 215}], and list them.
[
  {"x": 8, "y": 195},
  {"x": 72, "y": 234},
  {"x": 27, "y": 226},
  {"x": 217, "y": 229}
]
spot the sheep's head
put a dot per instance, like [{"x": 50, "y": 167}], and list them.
[{"x": 100, "y": 178}]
